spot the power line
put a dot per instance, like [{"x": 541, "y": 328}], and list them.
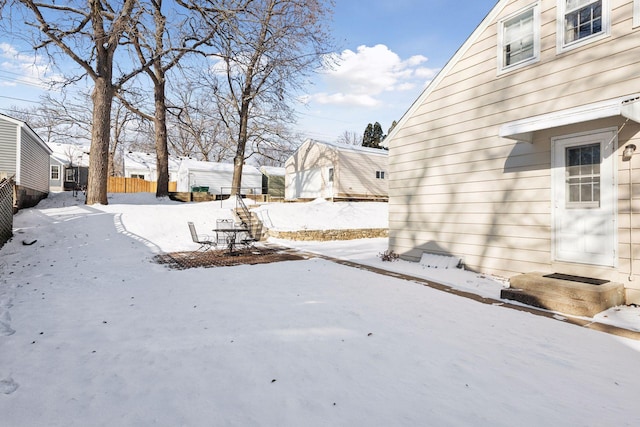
[
  {"x": 21, "y": 81},
  {"x": 19, "y": 99}
]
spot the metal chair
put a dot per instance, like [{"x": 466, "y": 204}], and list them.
[{"x": 205, "y": 241}]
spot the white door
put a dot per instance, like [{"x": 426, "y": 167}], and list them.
[{"x": 584, "y": 198}]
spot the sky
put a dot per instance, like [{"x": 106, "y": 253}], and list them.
[
  {"x": 387, "y": 52},
  {"x": 94, "y": 333}
]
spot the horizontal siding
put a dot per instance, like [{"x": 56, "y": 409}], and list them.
[
  {"x": 34, "y": 164},
  {"x": 456, "y": 187},
  {"x": 8, "y": 141},
  {"x": 356, "y": 174}
]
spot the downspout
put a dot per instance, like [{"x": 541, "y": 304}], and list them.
[
  {"x": 631, "y": 257},
  {"x": 627, "y": 156}
]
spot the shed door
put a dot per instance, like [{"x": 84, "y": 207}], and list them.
[{"x": 584, "y": 198}]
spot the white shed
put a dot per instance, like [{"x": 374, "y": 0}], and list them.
[
  {"x": 144, "y": 166},
  {"x": 336, "y": 171},
  {"x": 217, "y": 177}
]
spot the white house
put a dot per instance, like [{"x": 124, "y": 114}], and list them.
[
  {"x": 328, "y": 170},
  {"x": 144, "y": 166},
  {"x": 216, "y": 177}
]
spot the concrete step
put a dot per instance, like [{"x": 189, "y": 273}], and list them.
[{"x": 565, "y": 296}]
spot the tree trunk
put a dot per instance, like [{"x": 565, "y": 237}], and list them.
[
  {"x": 100, "y": 135},
  {"x": 160, "y": 124},
  {"x": 238, "y": 160}
]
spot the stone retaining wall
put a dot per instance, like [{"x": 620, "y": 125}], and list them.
[{"x": 324, "y": 235}]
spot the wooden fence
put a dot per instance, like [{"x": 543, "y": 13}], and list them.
[{"x": 117, "y": 184}]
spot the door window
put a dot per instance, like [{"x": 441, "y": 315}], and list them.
[{"x": 583, "y": 176}]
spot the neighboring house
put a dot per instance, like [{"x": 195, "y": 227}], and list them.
[
  {"x": 517, "y": 157},
  {"x": 193, "y": 175},
  {"x": 336, "y": 171},
  {"x": 69, "y": 168},
  {"x": 273, "y": 181},
  {"x": 144, "y": 166},
  {"x": 25, "y": 157}
]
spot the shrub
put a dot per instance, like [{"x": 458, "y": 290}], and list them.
[{"x": 388, "y": 256}]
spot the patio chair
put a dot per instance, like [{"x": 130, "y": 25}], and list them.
[{"x": 203, "y": 240}]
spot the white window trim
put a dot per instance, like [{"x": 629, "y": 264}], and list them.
[
  {"x": 561, "y": 46},
  {"x": 636, "y": 13},
  {"x": 536, "y": 39},
  {"x": 57, "y": 167}
]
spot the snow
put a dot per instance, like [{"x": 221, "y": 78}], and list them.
[
  {"x": 70, "y": 154},
  {"x": 94, "y": 333},
  {"x": 322, "y": 215}
]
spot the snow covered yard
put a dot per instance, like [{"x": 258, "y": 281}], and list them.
[{"x": 93, "y": 333}]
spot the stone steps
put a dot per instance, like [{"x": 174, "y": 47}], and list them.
[
  {"x": 255, "y": 225},
  {"x": 565, "y": 296}
]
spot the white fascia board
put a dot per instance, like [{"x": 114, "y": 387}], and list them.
[{"x": 523, "y": 129}]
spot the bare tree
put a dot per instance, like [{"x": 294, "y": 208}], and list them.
[
  {"x": 47, "y": 121},
  {"x": 164, "y": 45},
  {"x": 265, "y": 52},
  {"x": 196, "y": 129},
  {"x": 69, "y": 120},
  {"x": 122, "y": 121},
  {"x": 350, "y": 138},
  {"x": 88, "y": 32}
]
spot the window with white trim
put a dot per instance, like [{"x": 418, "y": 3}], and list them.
[
  {"x": 379, "y": 174},
  {"x": 70, "y": 175},
  {"x": 636, "y": 13},
  {"x": 519, "y": 39},
  {"x": 55, "y": 172},
  {"x": 582, "y": 21}
]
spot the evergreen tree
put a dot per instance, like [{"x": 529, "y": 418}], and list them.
[
  {"x": 367, "y": 137},
  {"x": 373, "y": 136},
  {"x": 378, "y": 135},
  {"x": 392, "y": 126}
]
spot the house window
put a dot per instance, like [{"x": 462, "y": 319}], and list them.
[
  {"x": 580, "y": 21},
  {"x": 137, "y": 175},
  {"x": 55, "y": 172},
  {"x": 379, "y": 174},
  {"x": 583, "y": 176},
  {"x": 636, "y": 13},
  {"x": 519, "y": 39},
  {"x": 330, "y": 174},
  {"x": 70, "y": 175}
]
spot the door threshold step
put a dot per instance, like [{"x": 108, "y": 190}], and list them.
[{"x": 565, "y": 296}]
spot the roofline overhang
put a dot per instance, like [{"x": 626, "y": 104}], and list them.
[{"x": 523, "y": 129}]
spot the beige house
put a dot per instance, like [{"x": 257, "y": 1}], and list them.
[
  {"x": 336, "y": 171},
  {"x": 518, "y": 156}
]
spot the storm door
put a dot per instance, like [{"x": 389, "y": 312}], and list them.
[{"x": 584, "y": 198}]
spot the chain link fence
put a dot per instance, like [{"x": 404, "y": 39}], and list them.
[{"x": 6, "y": 210}]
